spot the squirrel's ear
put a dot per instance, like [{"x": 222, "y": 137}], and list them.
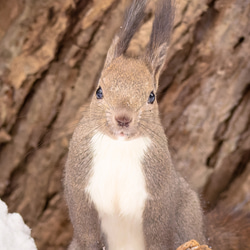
[
  {"x": 112, "y": 52},
  {"x": 160, "y": 36},
  {"x": 156, "y": 59},
  {"x": 132, "y": 20}
]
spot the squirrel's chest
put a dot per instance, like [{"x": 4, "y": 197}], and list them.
[{"x": 117, "y": 184}]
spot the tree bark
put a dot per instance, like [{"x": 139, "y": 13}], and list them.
[{"x": 51, "y": 55}]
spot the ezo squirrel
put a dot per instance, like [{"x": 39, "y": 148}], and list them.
[{"x": 121, "y": 187}]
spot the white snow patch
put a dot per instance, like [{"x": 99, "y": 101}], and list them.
[{"x": 14, "y": 234}]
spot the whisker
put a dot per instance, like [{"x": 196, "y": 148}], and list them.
[{"x": 152, "y": 132}]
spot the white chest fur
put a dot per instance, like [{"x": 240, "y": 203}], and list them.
[{"x": 117, "y": 188}]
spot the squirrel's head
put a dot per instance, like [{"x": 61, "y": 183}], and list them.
[
  {"x": 125, "y": 99},
  {"x": 124, "y": 104}
]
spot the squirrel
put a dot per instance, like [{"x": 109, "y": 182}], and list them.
[{"x": 121, "y": 187}]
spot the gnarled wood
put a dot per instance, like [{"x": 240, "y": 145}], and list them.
[{"x": 51, "y": 54}]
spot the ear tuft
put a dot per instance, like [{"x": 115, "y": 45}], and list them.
[
  {"x": 132, "y": 20},
  {"x": 160, "y": 36}
]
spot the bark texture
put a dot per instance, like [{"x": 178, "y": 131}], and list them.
[{"x": 51, "y": 54}]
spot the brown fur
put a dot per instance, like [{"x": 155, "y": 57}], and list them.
[{"x": 172, "y": 215}]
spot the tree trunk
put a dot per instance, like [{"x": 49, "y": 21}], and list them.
[{"x": 51, "y": 54}]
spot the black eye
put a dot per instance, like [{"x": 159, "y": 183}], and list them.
[
  {"x": 99, "y": 94},
  {"x": 151, "y": 98}
]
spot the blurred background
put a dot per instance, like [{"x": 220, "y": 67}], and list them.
[{"x": 51, "y": 55}]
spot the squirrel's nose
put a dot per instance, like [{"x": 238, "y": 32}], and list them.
[{"x": 123, "y": 121}]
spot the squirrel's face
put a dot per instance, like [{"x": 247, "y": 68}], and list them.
[{"x": 124, "y": 103}]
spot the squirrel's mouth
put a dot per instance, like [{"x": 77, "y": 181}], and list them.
[{"x": 122, "y": 136}]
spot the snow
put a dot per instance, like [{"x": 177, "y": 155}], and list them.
[{"x": 14, "y": 234}]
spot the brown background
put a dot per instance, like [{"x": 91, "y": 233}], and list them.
[{"x": 51, "y": 54}]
